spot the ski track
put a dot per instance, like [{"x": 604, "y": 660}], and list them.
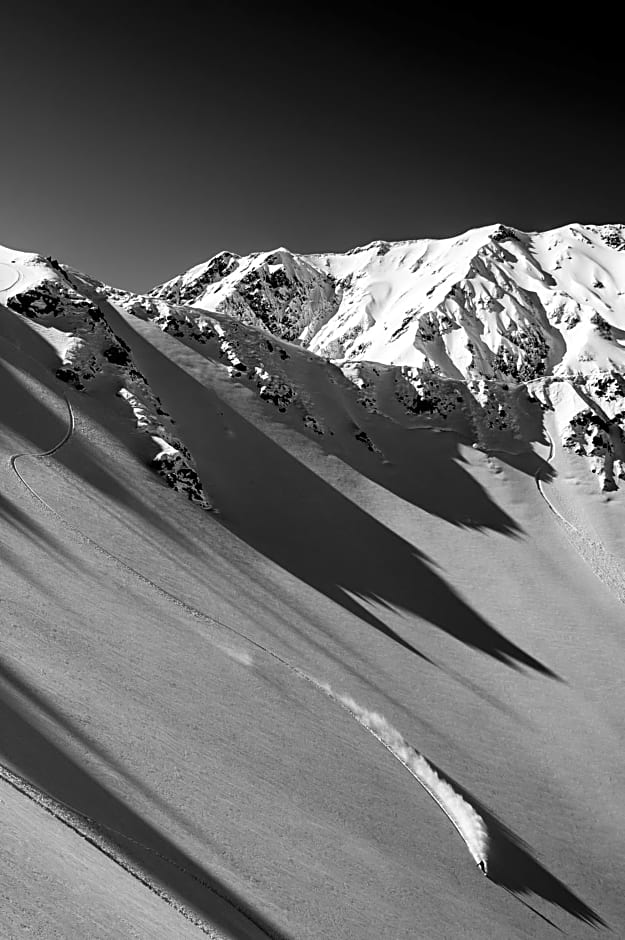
[
  {"x": 67, "y": 814},
  {"x": 18, "y": 277},
  {"x": 477, "y": 840},
  {"x": 77, "y": 820},
  {"x": 605, "y": 566}
]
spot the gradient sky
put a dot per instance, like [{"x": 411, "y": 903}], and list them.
[{"x": 137, "y": 143}]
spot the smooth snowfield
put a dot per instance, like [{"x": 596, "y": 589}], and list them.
[{"x": 440, "y": 592}]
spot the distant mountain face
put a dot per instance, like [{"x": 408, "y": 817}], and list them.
[
  {"x": 492, "y": 309},
  {"x": 481, "y": 333},
  {"x": 494, "y": 302}
]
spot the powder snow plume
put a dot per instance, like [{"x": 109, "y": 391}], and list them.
[{"x": 461, "y": 814}]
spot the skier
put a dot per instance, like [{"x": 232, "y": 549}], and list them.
[{"x": 482, "y": 866}]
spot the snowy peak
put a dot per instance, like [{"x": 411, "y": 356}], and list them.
[
  {"x": 492, "y": 300},
  {"x": 187, "y": 287},
  {"x": 473, "y": 303},
  {"x": 275, "y": 290}
]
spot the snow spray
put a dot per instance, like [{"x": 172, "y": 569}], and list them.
[{"x": 468, "y": 823}]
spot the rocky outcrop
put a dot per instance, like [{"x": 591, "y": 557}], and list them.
[
  {"x": 188, "y": 287},
  {"x": 276, "y": 291}
]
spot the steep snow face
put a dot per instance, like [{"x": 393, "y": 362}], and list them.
[
  {"x": 390, "y": 295},
  {"x": 496, "y": 302},
  {"x": 486, "y": 311}
]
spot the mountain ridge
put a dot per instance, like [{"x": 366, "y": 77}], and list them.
[
  {"x": 471, "y": 332},
  {"x": 486, "y": 308}
]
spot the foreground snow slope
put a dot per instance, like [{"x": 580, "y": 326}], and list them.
[
  {"x": 86, "y": 894},
  {"x": 424, "y": 578}
]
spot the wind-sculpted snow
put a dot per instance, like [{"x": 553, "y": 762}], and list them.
[{"x": 469, "y": 824}]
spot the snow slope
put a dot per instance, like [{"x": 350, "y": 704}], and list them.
[{"x": 155, "y": 655}]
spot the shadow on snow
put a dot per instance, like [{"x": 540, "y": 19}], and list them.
[
  {"x": 289, "y": 514},
  {"x": 512, "y": 866}
]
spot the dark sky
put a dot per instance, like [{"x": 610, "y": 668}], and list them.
[{"x": 139, "y": 142}]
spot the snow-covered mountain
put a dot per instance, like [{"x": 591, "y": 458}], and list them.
[
  {"x": 465, "y": 332},
  {"x": 281, "y": 510},
  {"x": 460, "y": 323}
]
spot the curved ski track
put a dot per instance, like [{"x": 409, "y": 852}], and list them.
[
  {"x": 78, "y": 821},
  {"x": 539, "y": 484},
  {"x": 604, "y": 565},
  {"x": 18, "y": 277},
  {"x": 85, "y": 826}
]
